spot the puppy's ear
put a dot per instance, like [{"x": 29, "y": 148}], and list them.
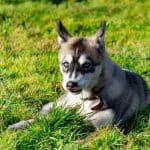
[
  {"x": 63, "y": 34},
  {"x": 99, "y": 37}
]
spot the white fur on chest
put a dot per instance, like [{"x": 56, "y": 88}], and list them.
[{"x": 96, "y": 117}]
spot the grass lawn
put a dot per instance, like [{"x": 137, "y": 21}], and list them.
[{"x": 29, "y": 71}]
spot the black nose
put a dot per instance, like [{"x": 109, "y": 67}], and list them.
[{"x": 71, "y": 85}]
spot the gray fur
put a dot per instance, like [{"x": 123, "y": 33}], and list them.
[{"x": 132, "y": 98}]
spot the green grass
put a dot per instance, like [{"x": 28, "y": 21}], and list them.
[{"x": 29, "y": 71}]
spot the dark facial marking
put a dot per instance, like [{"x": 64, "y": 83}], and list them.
[
  {"x": 101, "y": 48},
  {"x": 79, "y": 48},
  {"x": 74, "y": 67},
  {"x": 87, "y": 67}
]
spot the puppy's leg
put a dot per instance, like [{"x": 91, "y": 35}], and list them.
[
  {"x": 26, "y": 123},
  {"x": 102, "y": 118},
  {"x": 61, "y": 101},
  {"x": 21, "y": 124},
  {"x": 46, "y": 109}
]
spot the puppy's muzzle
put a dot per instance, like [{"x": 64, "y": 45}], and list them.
[{"x": 73, "y": 86}]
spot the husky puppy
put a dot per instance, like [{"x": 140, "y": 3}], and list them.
[{"x": 104, "y": 93}]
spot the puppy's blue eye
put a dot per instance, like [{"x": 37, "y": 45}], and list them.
[{"x": 65, "y": 65}]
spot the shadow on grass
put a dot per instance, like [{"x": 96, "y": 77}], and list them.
[
  {"x": 138, "y": 122},
  {"x": 56, "y": 2}
]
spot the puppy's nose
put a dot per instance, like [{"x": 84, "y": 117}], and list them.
[{"x": 71, "y": 85}]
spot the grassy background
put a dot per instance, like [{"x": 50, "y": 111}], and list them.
[{"x": 29, "y": 73}]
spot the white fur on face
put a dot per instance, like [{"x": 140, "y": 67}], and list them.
[
  {"x": 85, "y": 81},
  {"x": 68, "y": 58},
  {"x": 66, "y": 79},
  {"x": 60, "y": 40},
  {"x": 82, "y": 59}
]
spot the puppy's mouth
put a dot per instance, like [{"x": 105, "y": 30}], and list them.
[{"x": 75, "y": 91}]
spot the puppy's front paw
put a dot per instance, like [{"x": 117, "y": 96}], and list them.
[
  {"x": 20, "y": 125},
  {"x": 46, "y": 109}
]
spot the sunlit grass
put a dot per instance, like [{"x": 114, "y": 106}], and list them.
[{"x": 29, "y": 71}]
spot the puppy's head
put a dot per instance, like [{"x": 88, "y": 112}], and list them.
[{"x": 81, "y": 59}]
